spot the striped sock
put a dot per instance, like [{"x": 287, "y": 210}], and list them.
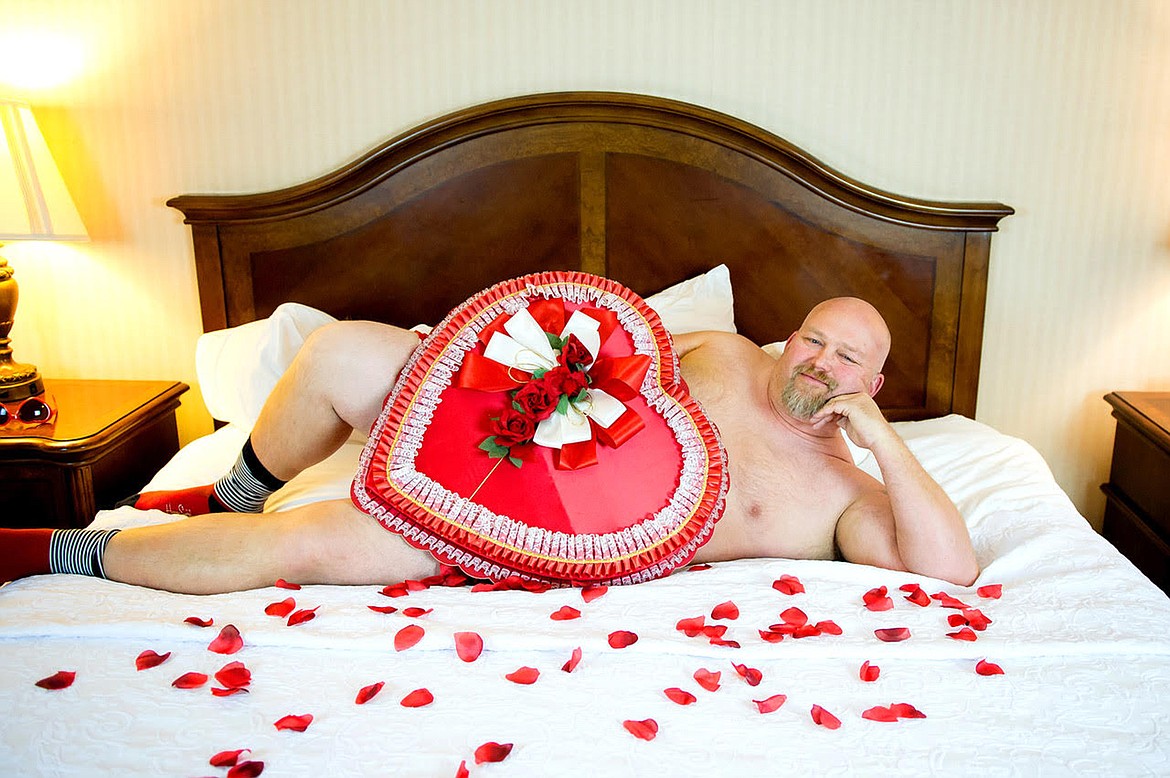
[
  {"x": 247, "y": 485},
  {"x": 79, "y": 551}
]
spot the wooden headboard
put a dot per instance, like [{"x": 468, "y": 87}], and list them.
[{"x": 644, "y": 190}]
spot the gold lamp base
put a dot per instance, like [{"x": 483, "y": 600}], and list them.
[{"x": 18, "y": 381}]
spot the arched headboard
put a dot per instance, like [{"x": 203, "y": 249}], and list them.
[{"x": 641, "y": 189}]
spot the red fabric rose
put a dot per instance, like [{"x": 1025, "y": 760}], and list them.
[
  {"x": 563, "y": 381},
  {"x": 538, "y": 399},
  {"x": 574, "y": 353},
  {"x": 513, "y": 428}
]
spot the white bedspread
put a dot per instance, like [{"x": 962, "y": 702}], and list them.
[{"x": 1082, "y": 638}]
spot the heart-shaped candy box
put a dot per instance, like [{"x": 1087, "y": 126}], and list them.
[{"x": 543, "y": 430}]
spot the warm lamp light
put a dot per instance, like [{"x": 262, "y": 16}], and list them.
[{"x": 34, "y": 205}]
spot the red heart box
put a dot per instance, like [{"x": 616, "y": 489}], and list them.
[{"x": 641, "y": 511}]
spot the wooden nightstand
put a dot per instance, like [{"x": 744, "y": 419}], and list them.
[
  {"x": 1137, "y": 509},
  {"x": 108, "y": 439}
]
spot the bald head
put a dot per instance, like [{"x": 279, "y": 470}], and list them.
[{"x": 859, "y": 324}]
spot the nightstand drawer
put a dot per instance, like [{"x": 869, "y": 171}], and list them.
[
  {"x": 1129, "y": 535},
  {"x": 1141, "y": 471}
]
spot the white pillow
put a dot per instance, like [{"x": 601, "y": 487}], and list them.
[{"x": 238, "y": 367}]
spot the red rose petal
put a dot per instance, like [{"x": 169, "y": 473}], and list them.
[
  {"x": 806, "y": 631},
  {"x": 523, "y": 675},
  {"x": 983, "y": 667},
  {"x": 696, "y": 568},
  {"x": 647, "y": 729},
  {"x": 282, "y": 608},
  {"x": 828, "y": 627},
  {"x": 574, "y": 660},
  {"x": 565, "y": 613},
  {"x": 303, "y": 615},
  {"x": 910, "y": 588},
  {"x": 876, "y": 599},
  {"x": 468, "y": 645},
  {"x": 749, "y": 674},
  {"x": 788, "y": 584},
  {"x": 680, "y": 696},
  {"x": 722, "y": 642},
  {"x": 964, "y": 634},
  {"x": 975, "y": 618},
  {"x": 418, "y": 698},
  {"x": 416, "y": 586},
  {"x": 397, "y": 590},
  {"x": 295, "y": 723},
  {"x": 824, "y": 718},
  {"x": 919, "y": 598},
  {"x": 492, "y": 752},
  {"x": 869, "y": 673},
  {"x": 794, "y": 616},
  {"x": 905, "y": 710},
  {"x": 707, "y": 679},
  {"x": 771, "y": 703},
  {"x": 769, "y": 636},
  {"x": 947, "y": 601},
  {"x": 228, "y": 692},
  {"x": 62, "y": 679},
  {"x": 408, "y": 636},
  {"x": 189, "y": 681},
  {"x": 593, "y": 591},
  {"x": 714, "y": 630},
  {"x": 892, "y": 635},
  {"x": 246, "y": 770},
  {"x": 725, "y": 610},
  {"x": 198, "y": 622},
  {"x": 462, "y": 772},
  {"x": 148, "y": 659},
  {"x": 878, "y": 713},
  {"x": 415, "y": 612},
  {"x": 622, "y": 638},
  {"x": 382, "y": 608},
  {"x": 227, "y": 642},
  {"x": 227, "y": 758},
  {"x": 283, "y": 584},
  {"x": 990, "y": 592},
  {"x": 234, "y": 675},
  {"x": 692, "y": 626},
  {"x": 367, "y": 693}
]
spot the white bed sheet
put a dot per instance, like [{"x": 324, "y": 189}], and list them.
[{"x": 1083, "y": 639}]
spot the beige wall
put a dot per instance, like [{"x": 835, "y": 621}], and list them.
[{"x": 1060, "y": 108}]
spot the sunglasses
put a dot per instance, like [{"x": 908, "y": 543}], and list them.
[{"x": 27, "y": 413}]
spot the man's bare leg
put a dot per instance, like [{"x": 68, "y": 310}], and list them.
[{"x": 328, "y": 542}]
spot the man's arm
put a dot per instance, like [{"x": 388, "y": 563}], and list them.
[{"x": 921, "y": 528}]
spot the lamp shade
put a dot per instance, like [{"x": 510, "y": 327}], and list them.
[{"x": 34, "y": 203}]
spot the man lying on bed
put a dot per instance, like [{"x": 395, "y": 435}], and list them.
[{"x": 794, "y": 490}]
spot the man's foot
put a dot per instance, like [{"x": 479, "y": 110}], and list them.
[{"x": 195, "y": 501}]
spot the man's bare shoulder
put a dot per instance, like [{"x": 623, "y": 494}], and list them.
[{"x": 715, "y": 345}]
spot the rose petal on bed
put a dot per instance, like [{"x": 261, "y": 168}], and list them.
[
  {"x": 408, "y": 636},
  {"x": 367, "y": 693},
  {"x": 714, "y": 630},
  {"x": 646, "y": 729},
  {"x": 829, "y": 627},
  {"x": 382, "y": 608},
  {"x": 919, "y": 598},
  {"x": 964, "y": 634},
  {"x": 62, "y": 679},
  {"x": 707, "y": 679},
  {"x": 905, "y": 710},
  {"x": 303, "y": 615},
  {"x": 523, "y": 675},
  {"x": 879, "y": 713},
  {"x": 282, "y": 608},
  {"x": 824, "y": 718},
  {"x": 768, "y": 636},
  {"x": 725, "y": 610},
  {"x": 722, "y": 642},
  {"x": 574, "y": 660},
  {"x": 565, "y": 613},
  {"x": 593, "y": 591},
  {"x": 876, "y": 599},
  {"x": 418, "y": 698},
  {"x": 892, "y": 634},
  {"x": 691, "y": 626},
  {"x": 295, "y": 723},
  {"x": 983, "y": 667},
  {"x": 189, "y": 681},
  {"x": 680, "y": 696},
  {"x": 148, "y": 659},
  {"x": 227, "y": 758},
  {"x": 788, "y": 584},
  {"x": 869, "y": 673},
  {"x": 806, "y": 631},
  {"x": 947, "y": 601},
  {"x": 415, "y": 586},
  {"x": 198, "y": 622},
  {"x": 227, "y": 642},
  {"x": 283, "y": 584},
  {"x": 794, "y": 616},
  {"x": 990, "y": 592},
  {"x": 415, "y": 612},
  {"x": 492, "y": 752},
  {"x": 696, "y": 568},
  {"x": 227, "y": 692},
  {"x": 910, "y": 588},
  {"x": 468, "y": 645},
  {"x": 976, "y": 619},
  {"x": 770, "y": 704},
  {"x": 749, "y": 674},
  {"x": 246, "y": 770},
  {"x": 622, "y": 638},
  {"x": 397, "y": 590},
  {"x": 462, "y": 771},
  {"x": 234, "y": 675}
]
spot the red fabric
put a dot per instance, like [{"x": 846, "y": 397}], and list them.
[{"x": 23, "y": 552}]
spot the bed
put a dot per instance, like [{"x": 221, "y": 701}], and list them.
[{"x": 1056, "y": 661}]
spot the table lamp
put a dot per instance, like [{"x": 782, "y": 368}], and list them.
[{"x": 34, "y": 205}]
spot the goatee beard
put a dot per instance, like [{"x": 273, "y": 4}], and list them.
[{"x": 803, "y": 403}]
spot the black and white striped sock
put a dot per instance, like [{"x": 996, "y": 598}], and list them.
[
  {"x": 79, "y": 551},
  {"x": 247, "y": 485}
]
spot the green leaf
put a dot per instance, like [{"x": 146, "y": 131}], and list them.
[
  {"x": 516, "y": 461},
  {"x": 539, "y": 372},
  {"x": 563, "y": 405},
  {"x": 581, "y": 395},
  {"x": 493, "y": 449},
  {"x": 555, "y": 342},
  {"x": 516, "y": 406},
  {"x": 489, "y": 444}
]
